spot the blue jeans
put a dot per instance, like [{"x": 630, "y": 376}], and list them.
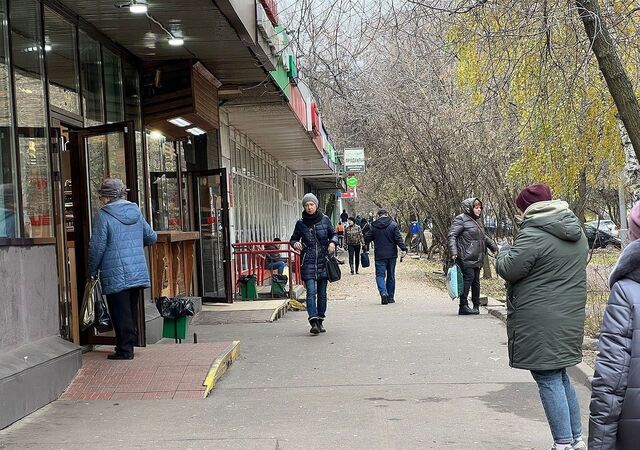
[
  {"x": 386, "y": 267},
  {"x": 280, "y": 265},
  {"x": 560, "y": 404},
  {"x": 316, "y": 288}
]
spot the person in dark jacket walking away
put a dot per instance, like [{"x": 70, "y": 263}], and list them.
[
  {"x": 385, "y": 233},
  {"x": 546, "y": 272},
  {"x": 354, "y": 240},
  {"x": 614, "y": 423},
  {"x": 315, "y": 238},
  {"x": 344, "y": 217},
  {"x": 116, "y": 251},
  {"x": 468, "y": 245},
  {"x": 365, "y": 227}
]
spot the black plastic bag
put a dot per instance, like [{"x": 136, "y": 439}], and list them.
[
  {"x": 174, "y": 307},
  {"x": 246, "y": 279},
  {"x": 364, "y": 259},
  {"x": 333, "y": 269},
  {"x": 103, "y": 319}
]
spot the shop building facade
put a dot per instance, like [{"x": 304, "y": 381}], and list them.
[{"x": 187, "y": 104}]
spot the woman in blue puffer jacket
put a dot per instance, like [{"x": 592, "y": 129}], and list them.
[
  {"x": 315, "y": 237},
  {"x": 116, "y": 251},
  {"x": 614, "y": 423}
]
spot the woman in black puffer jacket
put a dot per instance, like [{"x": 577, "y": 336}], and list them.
[
  {"x": 614, "y": 423},
  {"x": 315, "y": 237}
]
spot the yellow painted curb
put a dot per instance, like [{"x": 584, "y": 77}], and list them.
[
  {"x": 220, "y": 366},
  {"x": 277, "y": 312}
]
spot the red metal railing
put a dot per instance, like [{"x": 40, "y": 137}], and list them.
[{"x": 250, "y": 259}]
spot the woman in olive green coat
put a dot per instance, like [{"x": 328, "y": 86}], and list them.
[{"x": 545, "y": 270}]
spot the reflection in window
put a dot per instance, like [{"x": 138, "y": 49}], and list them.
[
  {"x": 91, "y": 74},
  {"x": 133, "y": 112},
  {"x": 106, "y": 159},
  {"x": 113, "y": 86},
  {"x": 30, "y": 111},
  {"x": 165, "y": 193},
  {"x": 8, "y": 211},
  {"x": 62, "y": 68}
]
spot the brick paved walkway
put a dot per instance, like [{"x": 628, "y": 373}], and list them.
[{"x": 159, "y": 371}]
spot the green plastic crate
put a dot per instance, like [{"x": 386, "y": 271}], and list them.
[{"x": 171, "y": 326}]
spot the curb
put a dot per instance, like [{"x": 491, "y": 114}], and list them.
[
  {"x": 280, "y": 311},
  {"x": 581, "y": 373},
  {"x": 220, "y": 366}
]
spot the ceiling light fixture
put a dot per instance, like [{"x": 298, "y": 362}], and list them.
[
  {"x": 179, "y": 122},
  {"x": 47, "y": 48},
  {"x": 138, "y": 7},
  {"x": 196, "y": 131},
  {"x": 175, "y": 41}
]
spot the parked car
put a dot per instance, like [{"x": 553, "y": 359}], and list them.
[
  {"x": 606, "y": 225},
  {"x": 599, "y": 238}
]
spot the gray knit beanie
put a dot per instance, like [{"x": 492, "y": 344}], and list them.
[{"x": 309, "y": 197}]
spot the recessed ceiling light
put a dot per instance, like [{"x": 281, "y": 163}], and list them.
[
  {"x": 176, "y": 42},
  {"x": 179, "y": 122},
  {"x": 196, "y": 131},
  {"x": 137, "y": 7}
]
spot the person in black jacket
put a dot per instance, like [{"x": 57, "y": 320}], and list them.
[
  {"x": 344, "y": 217},
  {"x": 468, "y": 245},
  {"x": 315, "y": 238},
  {"x": 385, "y": 233}
]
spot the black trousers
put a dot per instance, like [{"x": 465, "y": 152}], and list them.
[
  {"x": 354, "y": 251},
  {"x": 471, "y": 277},
  {"x": 123, "y": 308}
]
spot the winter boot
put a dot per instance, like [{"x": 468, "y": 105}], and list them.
[
  {"x": 320, "y": 327},
  {"x": 464, "y": 309},
  {"x": 391, "y": 300},
  {"x": 476, "y": 308},
  {"x": 351, "y": 270},
  {"x": 385, "y": 299},
  {"x": 314, "y": 326}
]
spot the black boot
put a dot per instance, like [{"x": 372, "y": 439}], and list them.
[
  {"x": 391, "y": 300},
  {"x": 351, "y": 270},
  {"x": 320, "y": 327},
  {"x": 314, "y": 326},
  {"x": 384, "y": 299},
  {"x": 464, "y": 309},
  {"x": 476, "y": 308}
]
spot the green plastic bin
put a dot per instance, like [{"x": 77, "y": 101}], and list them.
[
  {"x": 248, "y": 287},
  {"x": 175, "y": 328},
  {"x": 279, "y": 285}
]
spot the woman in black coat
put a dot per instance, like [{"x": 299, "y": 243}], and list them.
[{"x": 315, "y": 237}]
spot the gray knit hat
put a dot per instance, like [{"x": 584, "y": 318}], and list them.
[
  {"x": 309, "y": 197},
  {"x": 113, "y": 188}
]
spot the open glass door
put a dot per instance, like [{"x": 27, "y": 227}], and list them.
[
  {"x": 214, "y": 251},
  {"x": 97, "y": 153}
]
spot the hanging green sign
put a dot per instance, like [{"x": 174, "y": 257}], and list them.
[{"x": 352, "y": 181}]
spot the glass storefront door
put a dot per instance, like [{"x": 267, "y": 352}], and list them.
[
  {"x": 212, "y": 220},
  {"x": 95, "y": 153}
]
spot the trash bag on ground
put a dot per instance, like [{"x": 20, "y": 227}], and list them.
[{"x": 174, "y": 307}]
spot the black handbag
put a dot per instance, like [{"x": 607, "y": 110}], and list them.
[
  {"x": 364, "y": 259},
  {"x": 333, "y": 269}
]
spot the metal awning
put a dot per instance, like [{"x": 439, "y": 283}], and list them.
[
  {"x": 275, "y": 128},
  {"x": 208, "y": 35}
]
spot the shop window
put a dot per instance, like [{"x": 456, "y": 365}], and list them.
[
  {"x": 28, "y": 72},
  {"x": 62, "y": 67},
  {"x": 165, "y": 191},
  {"x": 113, "y": 86},
  {"x": 91, "y": 76},
  {"x": 186, "y": 223},
  {"x": 8, "y": 218}
]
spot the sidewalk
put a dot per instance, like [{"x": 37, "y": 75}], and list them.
[{"x": 413, "y": 375}]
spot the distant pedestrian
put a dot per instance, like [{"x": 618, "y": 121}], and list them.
[
  {"x": 366, "y": 226},
  {"x": 316, "y": 239},
  {"x": 354, "y": 241},
  {"x": 358, "y": 219},
  {"x": 116, "y": 251},
  {"x": 614, "y": 423},
  {"x": 344, "y": 217},
  {"x": 274, "y": 260},
  {"x": 385, "y": 233},
  {"x": 468, "y": 245},
  {"x": 547, "y": 290}
]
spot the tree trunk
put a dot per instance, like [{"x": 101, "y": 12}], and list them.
[{"x": 618, "y": 82}]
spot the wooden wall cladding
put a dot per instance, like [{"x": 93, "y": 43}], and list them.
[{"x": 180, "y": 89}]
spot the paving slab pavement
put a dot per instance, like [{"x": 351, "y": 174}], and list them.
[{"x": 403, "y": 376}]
